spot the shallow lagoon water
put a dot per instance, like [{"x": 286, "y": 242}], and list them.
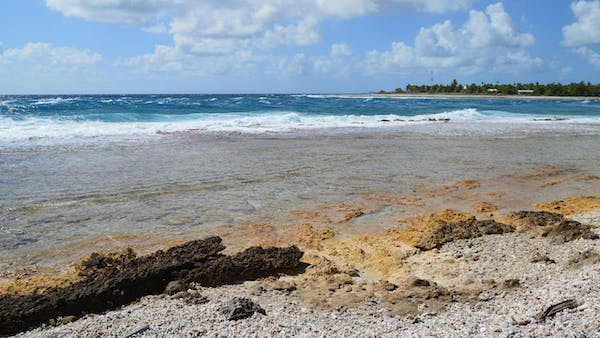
[{"x": 64, "y": 199}]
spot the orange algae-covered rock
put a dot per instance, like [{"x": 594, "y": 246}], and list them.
[
  {"x": 572, "y": 205},
  {"x": 39, "y": 283},
  {"x": 312, "y": 237},
  {"x": 378, "y": 255},
  {"x": 434, "y": 230}
]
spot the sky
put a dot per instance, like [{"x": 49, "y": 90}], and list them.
[{"x": 285, "y": 46}]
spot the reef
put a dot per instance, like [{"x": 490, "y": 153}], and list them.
[{"x": 106, "y": 281}]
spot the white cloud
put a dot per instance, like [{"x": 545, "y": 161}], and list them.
[
  {"x": 204, "y": 29},
  {"x": 47, "y": 58},
  {"x": 295, "y": 65},
  {"x": 339, "y": 62},
  {"x": 584, "y": 34},
  {"x": 340, "y": 50},
  {"x": 586, "y": 30},
  {"x": 486, "y": 41},
  {"x": 128, "y": 12},
  {"x": 592, "y": 57},
  {"x": 158, "y": 28},
  {"x": 170, "y": 59}
]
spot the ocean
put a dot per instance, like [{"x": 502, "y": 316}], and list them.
[
  {"x": 87, "y": 173},
  {"x": 46, "y": 121}
]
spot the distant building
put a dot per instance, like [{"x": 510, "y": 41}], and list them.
[
  {"x": 524, "y": 91},
  {"x": 492, "y": 90}
]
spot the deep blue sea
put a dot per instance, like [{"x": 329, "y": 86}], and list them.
[{"x": 33, "y": 121}]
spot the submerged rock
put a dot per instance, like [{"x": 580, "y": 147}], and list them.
[{"x": 111, "y": 280}]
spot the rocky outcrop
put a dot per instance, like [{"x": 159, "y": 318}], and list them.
[
  {"x": 111, "y": 280},
  {"x": 435, "y": 230},
  {"x": 448, "y": 232},
  {"x": 552, "y": 225}
]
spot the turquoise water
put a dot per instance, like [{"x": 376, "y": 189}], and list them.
[{"x": 58, "y": 120}]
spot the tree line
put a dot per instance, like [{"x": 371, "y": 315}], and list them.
[{"x": 550, "y": 89}]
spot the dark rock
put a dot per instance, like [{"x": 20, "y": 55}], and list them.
[
  {"x": 174, "y": 287},
  {"x": 511, "y": 283},
  {"x": 254, "y": 262},
  {"x": 387, "y": 286},
  {"x": 554, "y": 226},
  {"x": 191, "y": 297},
  {"x": 421, "y": 282},
  {"x": 283, "y": 285},
  {"x": 527, "y": 219},
  {"x": 240, "y": 308},
  {"x": 539, "y": 258},
  {"x": 585, "y": 258},
  {"x": 112, "y": 280},
  {"x": 471, "y": 228},
  {"x": 569, "y": 230}
]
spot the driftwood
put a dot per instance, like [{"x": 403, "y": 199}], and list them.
[
  {"x": 553, "y": 309},
  {"x": 108, "y": 281}
]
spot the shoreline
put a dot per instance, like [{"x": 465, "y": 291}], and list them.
[
  {"x": 562, "y": 167},
  {"x": 401, "y": 233},
  {"x": 489, "y": 285},
  {"x": 485, "y": 96}
]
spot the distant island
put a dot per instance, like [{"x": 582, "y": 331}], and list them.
[{"x": 531, "y": 89}]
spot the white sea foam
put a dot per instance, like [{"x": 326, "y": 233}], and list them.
[
  {"x": 51, "y": 131},
  {"x": 54, "y": 100}
]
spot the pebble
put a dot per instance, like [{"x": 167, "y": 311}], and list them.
[{"x": 495, "y": 315}]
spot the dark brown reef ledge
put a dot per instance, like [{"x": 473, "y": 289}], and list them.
[{"x": 112, "y": 280}]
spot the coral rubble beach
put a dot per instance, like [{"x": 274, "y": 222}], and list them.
[{"x": 446, "y": 273}]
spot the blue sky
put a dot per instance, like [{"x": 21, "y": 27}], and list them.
[{"x": 257, "y": 46}]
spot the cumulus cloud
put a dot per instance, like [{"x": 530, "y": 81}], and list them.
[
  {"x": 204, "y": 29},
  {"x": 585, "y": 30},
  {"x": 170, "y": 59},
  {"x": 48, "y": 58},
  {"x": 583, "y": 35},
  {"x": 592, "y": 57},
  {"x": 487, "y": 40},
  {"x": 213, "y": 37}
]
